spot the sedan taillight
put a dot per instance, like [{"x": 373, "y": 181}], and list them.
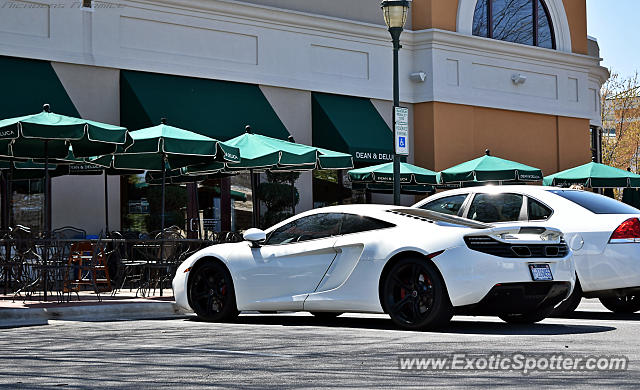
[{"x": 628, "y": 231}]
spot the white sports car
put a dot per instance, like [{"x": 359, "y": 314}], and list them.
[
  {"x": 418, "y": 266},
  {"x": 603, "y": 233}
]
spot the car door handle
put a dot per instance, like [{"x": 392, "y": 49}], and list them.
[{"x": 338, "y": 250}]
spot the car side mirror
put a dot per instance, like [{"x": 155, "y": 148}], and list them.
[{"x": 255, "y": 237}]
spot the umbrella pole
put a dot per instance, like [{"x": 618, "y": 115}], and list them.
[
  {"x": 293, "y": 197},
  {"x": 164, "y": 178},
  {"x": 7, "y": 249},
  {"x": 254, "y": 199},
  {"x": 10, "y": 190},
  {"x": 5, "y": 226},
  {"x": 47, "y": 195},
  {"x": 106, "y": 204},
  {"x": 197, "y": 202}
]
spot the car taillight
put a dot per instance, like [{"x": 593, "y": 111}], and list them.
[{"x": 628, "y": 231}]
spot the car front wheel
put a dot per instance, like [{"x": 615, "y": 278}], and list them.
[
  {"x": 626, "y": 304},
  {"x": 211, "y": 293},
  {"x": 415, "y": 296}
]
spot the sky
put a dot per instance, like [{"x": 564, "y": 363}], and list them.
[{"x": 616, "y": 25}]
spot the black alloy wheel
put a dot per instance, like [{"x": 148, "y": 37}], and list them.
[
  {"x": 625, "y": 304},
  {"x": 211, "y": 293},
  {"x": 415, "y": 296}
]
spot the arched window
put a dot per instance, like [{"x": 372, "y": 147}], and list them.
[{"x": 520, "y": 21}]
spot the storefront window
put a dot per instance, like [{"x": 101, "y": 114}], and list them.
[
  {"x": 520, "y": 21},
  {"x": 333, "y": 187},
  {"x": 27, "y": 204},
  {"x": 142, "y": 204}
]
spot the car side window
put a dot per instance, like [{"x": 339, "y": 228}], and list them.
[
  {"x": 307, "y": 228},
  {"x": 448, "y": 205},
  {"x": 357, "y": 223},
  {"x": 538, "y": 211},
  {"x": 495, "y": 207}
]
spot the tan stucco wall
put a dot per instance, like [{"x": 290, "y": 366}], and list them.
[
  {"x": 293, "y": 107},
  {"x": 577, "y": 16},
  {"x": 448, "y": 134},
  {"x": 79, "y": 200},
  {"x": 439, "y": 14},
  {"x": 442, "y": 14}
]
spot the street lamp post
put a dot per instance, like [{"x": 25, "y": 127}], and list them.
[{"x": 395, "y": 16}]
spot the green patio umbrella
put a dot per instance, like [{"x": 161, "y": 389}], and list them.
[
  {"x": 162, "y": 148},
  {"x": 594, "y": 175},
  {"x": 259, "y": 153},
  {"x": 406, "y": 189},
  {"x": 490, "y": 168},
  {"x": 49, "y": 135},
  {"x": 383, "y": 173}
]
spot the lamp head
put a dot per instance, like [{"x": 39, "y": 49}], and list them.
[{"x": 395, "y": 12}]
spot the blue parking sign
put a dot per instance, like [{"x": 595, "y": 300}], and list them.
[{"x": 402, "y": 142}]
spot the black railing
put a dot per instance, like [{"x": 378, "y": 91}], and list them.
[{"x": 143, "y": 265}]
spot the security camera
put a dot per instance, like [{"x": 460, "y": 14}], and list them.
[
  {"x": 518, "y": 78},
  {"x": 418, "y": 77}
]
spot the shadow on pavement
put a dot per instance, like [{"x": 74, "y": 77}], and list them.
[
  {"x": 461, "y": 327},
  {"x": 603, "y": 315}
]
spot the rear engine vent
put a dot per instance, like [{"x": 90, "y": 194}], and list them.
[{"x": 491, "y": 246}]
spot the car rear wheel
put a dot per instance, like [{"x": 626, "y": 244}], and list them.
[
  {"x": 415, "y": 297},
  {"x": 211, "y": 293},
  {"x": 325, "y": 315},
  {"x": 570, "y": 304},
  {"x": 625, "y": 304}
]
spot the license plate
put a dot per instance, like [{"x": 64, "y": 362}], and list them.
[{"x": 540, "y": 272}]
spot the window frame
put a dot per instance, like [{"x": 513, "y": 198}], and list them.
[
  {"x": 536, "y": 22},
  {"x": 340, "y": 234},
  {"x": 266, "y": 241},
  {"x": 542, "y": 203},
  {"x": 463, "y": 205},
  {"x": 523, "y": 216}
]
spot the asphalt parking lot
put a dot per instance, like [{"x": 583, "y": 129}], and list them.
[{"x": 297, "y": 350}]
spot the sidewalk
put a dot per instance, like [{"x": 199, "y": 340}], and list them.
[{"x": 124, "y": 305}]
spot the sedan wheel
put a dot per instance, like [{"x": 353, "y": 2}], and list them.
[
  {"x": 415, "y": 296},
  {"x": 211, "y": 293},
  {"x": 625, "y": 304}
]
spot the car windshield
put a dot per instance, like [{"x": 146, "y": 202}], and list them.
[{"x": 596, "y": 203}]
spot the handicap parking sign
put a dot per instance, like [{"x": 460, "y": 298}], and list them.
[{"x": 401, "y": 128}]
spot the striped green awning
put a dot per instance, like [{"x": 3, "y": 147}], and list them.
[
  {"x": 217, "y": 109},
  {"x": 351, "y": 125},
  {"x": 27, "y": 85}
]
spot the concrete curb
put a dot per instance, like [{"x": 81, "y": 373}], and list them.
[{"x": 103, "y": 312}]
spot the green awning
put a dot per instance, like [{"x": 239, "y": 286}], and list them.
[
  {"x": 27, "y": 85},
  {"x": 217, "y": 109},
  {"x": 351, "y": 125}
]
